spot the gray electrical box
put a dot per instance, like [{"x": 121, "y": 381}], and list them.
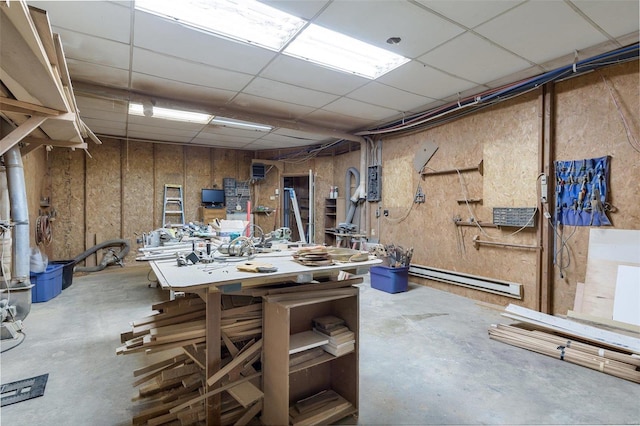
[
  {"x": 374, "y": 183},
  {"x": 514, "y": 216}
]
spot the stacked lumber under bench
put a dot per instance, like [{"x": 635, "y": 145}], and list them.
[
  {"x": 173, "y": 390},
  {"x": 591, "y": 347}
]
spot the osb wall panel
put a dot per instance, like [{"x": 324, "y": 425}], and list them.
[
  {"x": 103, "y": 196},
  {"x": 137, "y": 191},
  {"x": 198, "y": 176},
  {"x": 491, "y": 136},
  {"x": 38, "y": 184},
  {"x": 169, "y": 169},
  {"x": 68, "y": 184},
  {"x": 589, "y": 124}
]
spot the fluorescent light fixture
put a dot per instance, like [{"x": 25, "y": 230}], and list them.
[
  {"x": 239, "y": 124},
  {"x": 247, "y": 21},
  {"x": 338, "y": 51},
  {"x": 170, "y": 114}
]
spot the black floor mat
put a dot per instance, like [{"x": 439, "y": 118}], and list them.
[{"x": 23, "y": 389}]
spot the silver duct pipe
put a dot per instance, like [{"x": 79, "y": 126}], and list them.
[
  {"x": 5, "y": 218},
  {"x": 19, "y": 216}
]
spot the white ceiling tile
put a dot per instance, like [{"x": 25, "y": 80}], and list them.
[
  {"x": 262, "y": 144},
  {"x": 273, "y": 107},
  {"x": 304, "y": 74},
  {"x": 180, "y": 91},
  {"x": 166, "y": 131},
  {"x": 169, "y": 125},
  {"x": 616, "y": 17},
  {"x": 150, "y": 136},
  {"x": 470, "y": 13},
  {"x": 99, "y": 18},
  {"x": 305, "y": 9},
  {"x": 473, "y": 58},
  {"x": 95, "y": 73},
  {"x": 380, "y": 94},
  {"x": 350, "y": 107},
  {"x": 213, "y": 129},
  {"x": 541, "y": 31},
  {"x": 87, "y": 48},
  {"x": 337, "y": 121},
  {"x": 110, "y": 115},
  {"x": 222, "y": 140},
  {"x": 424, "y": 80},
  {"x": 116, "y": 125},
  {"x": 151, "y": 63},
  {"x": 109, "y": 106},
  {"x": 419, "y": 29},
  {"x": 291, "y": 134},
  {"x": 171, "y": 38},
  {"x": 288, "y": 93}
]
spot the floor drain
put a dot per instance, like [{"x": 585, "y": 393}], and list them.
[{"x": 23, "y": 389}]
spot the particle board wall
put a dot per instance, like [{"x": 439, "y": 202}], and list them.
[
  {"x": 37, "y": 185},
  {"x": 119, "y": 193},
  {"x": 590, "y": 124},
  {"x": 505, "y": 138}
]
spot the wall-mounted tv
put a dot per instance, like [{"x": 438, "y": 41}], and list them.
[{"x": 213, "y": 198}]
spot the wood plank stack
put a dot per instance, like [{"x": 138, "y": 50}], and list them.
[
  {"x": 601, "y": 350},
  {"x": 318, "y": 409},
  {"x": 173, "y": 390}
]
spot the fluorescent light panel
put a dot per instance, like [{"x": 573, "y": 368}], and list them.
[
  {"x": 171, "y": 114},
  {"x": 255, "y": 23},
  {"x": 246, "y": 21},
  {"x": 239, "y": 124}
]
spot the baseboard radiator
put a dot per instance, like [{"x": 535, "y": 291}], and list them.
[{"x": 475, "y": 282}]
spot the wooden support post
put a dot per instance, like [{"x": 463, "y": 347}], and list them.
[
  {"x": 20, "y": 133},
  {"x": 544, "y": 271},
  {"x": 213, "y": 358}
]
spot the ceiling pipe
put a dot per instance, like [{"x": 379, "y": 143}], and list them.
[{"x": 224, "y": 111}]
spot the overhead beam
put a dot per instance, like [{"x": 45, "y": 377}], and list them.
[
  {"x": 20, "y": 132},
  {"x": 224, "y": 111},
  {"x": 14, "y": 105},
  {"x": 52, "y": 142}
]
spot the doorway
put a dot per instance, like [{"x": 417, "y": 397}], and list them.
[{"x": 298, "y": 187}]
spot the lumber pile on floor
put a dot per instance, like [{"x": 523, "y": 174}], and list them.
[
  {"x": 173, "y": 391},
  {"x": 602, "y": 350}
]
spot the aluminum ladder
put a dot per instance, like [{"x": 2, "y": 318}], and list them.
[{"x": 173, "y": 206}]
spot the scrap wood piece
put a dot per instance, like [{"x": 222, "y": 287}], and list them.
[
  {"x": 197, "y": 355},
  {"x": 249, "y": 414},
  {"x": 213, "y": 392},
  {"x": 318, "y": 400},
  {"x": 166, "y": 315},
  {"x": 189, "y": 384},
  {"x": 158, "y": 410},
  {"x": 304, "y": 356},
  {"x": 173, "y": 345},
  {"x": 238, "y": 360},
  {"x": 156, "y": 373},
  {"x": 322, "y": 414},
  {"x": 246, "y": 393},
  {"x": 180, "y": 372},
  {"x": 143, "y": 329},
  {"x": 586, "y": 332},
  {"x": 229, "y": 313},
  {"x": 159, "y": 364},
  {"x": 571, "y": 355}
]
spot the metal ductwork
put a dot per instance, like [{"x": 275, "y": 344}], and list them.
[{"x": 15, "y": 299}]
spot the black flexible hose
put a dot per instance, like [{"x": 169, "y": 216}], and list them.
[{"x": 109, "y": 258}]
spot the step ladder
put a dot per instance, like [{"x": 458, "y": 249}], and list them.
[{"x": 173, "y": 207}]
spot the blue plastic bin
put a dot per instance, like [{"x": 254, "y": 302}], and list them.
[
  {"x": 390, "y": 280},
  {"x": 47, "y": 284}
]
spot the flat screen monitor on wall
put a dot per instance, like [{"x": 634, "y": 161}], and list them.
[{"x": 213, "y": 197}]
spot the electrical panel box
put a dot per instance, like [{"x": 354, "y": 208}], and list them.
[
  {"x": 258, "y": 171},
  {"x": 515, "y": 216},
  {"x": 374, "y": 183}
]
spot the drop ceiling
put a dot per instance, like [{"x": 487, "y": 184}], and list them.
[{"x": 117, "y": 54}]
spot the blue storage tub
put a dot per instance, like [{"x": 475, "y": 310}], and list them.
[
  {"x": 391, "y": 280},
  {"x": 47, "y": 284}
]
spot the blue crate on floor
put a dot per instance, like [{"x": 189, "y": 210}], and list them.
[
  {"x": 390, "y": 280},
  {"x": 47, "y": 284}
]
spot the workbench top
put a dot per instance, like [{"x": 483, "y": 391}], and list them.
[{"x": 225, "y": 277}]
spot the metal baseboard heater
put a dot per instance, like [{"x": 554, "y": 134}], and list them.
[{"x": 475, "y": 282}]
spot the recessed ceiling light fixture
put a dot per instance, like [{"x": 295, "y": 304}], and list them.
[
  {"x": 394, "y": 40},
  {"x": 169, "y": 114},
  {"x": 256, "y": 23},
  {"x": 239, "y": 124}
]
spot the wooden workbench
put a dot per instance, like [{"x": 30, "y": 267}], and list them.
[{"x": 211, "y": 280}]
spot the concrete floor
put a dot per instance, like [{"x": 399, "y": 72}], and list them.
[{"x": 425, "y": 359}]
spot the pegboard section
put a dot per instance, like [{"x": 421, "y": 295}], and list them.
[{"x": 521, "y": 217}]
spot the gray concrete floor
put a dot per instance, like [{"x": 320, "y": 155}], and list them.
[{"x": 425, "y": 359}]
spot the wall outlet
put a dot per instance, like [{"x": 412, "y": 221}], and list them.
[
  {"x": 385, "y": 212},
  {"x": 273, "y": 197},
  {"x": 373, "y": 232}
]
